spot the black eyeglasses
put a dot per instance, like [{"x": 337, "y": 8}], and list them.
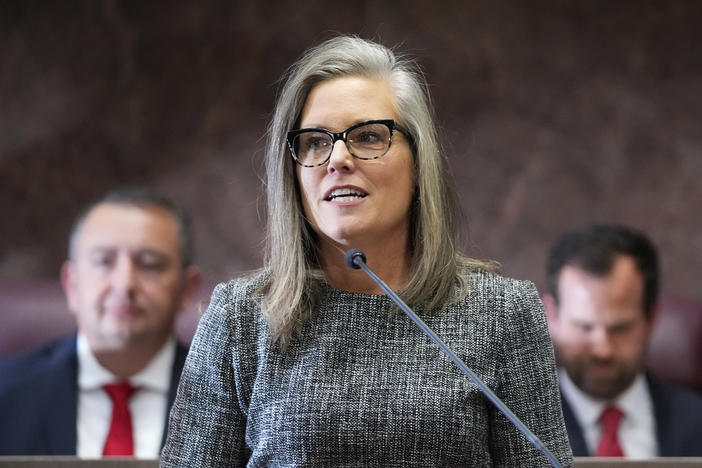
[{"x": 311, "y": 147}]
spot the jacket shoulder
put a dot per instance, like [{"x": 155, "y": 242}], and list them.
[
  {"x": 678, "y": 396},
  {"x": 242, "y": 288},
  {"x": 21, "y": 369},
  {"x": 678, "y": 424},
  {"x": 488, "y": 285}
]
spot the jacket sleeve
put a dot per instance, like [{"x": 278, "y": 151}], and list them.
[
  {"x": 527, "y": 383},
  {"x": 207, "y": 424}
]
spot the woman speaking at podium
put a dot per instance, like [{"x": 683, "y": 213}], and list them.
[{"x": 306, "y": 362}]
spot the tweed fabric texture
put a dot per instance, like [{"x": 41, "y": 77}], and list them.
[{"x": 361, "y": 385}]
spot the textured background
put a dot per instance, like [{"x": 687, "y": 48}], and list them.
[{"x": 553, "y": 113}]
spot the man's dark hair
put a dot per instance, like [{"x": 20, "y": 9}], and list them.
[
  {"x": 141, "y": 197},
  {"x": 595, "y": 247}
]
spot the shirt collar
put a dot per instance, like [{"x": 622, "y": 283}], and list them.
[
  {"x": 587, "y": 409},
  {"x": 156, "y": 375},
  {"x": 636, "y": 401}
]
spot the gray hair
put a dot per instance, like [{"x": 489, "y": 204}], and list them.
[{"x": 291, "y": 251}]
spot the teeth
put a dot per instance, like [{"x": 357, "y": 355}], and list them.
[{"x": 345, "y": 194}]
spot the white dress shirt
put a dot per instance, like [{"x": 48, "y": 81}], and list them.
[
  {"x": 148, "y": 405},
  {"x": 637, "y": 429}
]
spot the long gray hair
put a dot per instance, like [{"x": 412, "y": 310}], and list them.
[{"x": 291, "y": 251}]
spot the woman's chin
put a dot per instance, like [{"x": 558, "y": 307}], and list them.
[{"x": 350, "y": 236}]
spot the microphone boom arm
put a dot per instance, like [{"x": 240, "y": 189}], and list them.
[{"x": 356, "y": 259}]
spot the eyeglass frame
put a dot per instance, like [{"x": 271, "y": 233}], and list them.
[{"x": 336, "y": 136}]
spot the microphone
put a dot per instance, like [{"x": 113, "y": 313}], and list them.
[
  {"x": 356, "y": 259},
  {"x": 352, "y": 256}
]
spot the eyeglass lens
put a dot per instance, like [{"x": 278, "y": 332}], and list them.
[{"x": 366, "y": 142}]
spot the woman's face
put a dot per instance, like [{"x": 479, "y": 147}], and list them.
[{"x": 377, "y": 212}]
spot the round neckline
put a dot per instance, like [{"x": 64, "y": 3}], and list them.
[{"x": 342, "y": 292}]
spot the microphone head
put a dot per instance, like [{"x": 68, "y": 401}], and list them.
[{"x": 353, "y": 256}]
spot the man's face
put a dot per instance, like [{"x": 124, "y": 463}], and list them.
[
  {"x": 126, "y": 283},
  {"x": 600, "y": 330}
]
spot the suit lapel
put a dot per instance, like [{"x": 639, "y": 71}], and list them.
[
  {"x": 60, "y": 387},
  {"x": 575, "y": 433},
  {"x": 666, "y": 430}
]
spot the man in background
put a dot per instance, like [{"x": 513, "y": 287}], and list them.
[
  {"x": 107, "y": 390},
  {"x": 602, "y": 302}
]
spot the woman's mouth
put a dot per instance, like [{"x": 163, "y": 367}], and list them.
[{"x": 345, "y": 195}]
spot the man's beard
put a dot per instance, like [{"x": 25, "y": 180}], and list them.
[{"x": 600, "y": 387}]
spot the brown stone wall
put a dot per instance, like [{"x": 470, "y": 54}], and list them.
[{"x": 553, "y": 113}]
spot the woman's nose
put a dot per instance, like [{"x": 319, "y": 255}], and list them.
[{"x": 341, "y": 159}]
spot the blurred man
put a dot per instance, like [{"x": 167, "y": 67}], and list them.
[
  {"x": 603, "y": 284},
  {"x": 108, "y": 389}
]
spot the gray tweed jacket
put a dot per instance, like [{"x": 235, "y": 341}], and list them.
[{"x": 360, "y": 385}]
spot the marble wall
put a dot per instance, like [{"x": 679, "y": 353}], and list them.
[{"x": 553, "y": 114}]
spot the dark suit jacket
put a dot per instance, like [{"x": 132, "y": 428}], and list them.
[
  {"x": 678, "y": 414},
  {"x": 39, "y": 399}
]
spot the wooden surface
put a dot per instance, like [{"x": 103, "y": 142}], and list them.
[
  {"x": 592, "y": 462},
  {"x": 68, "y": 462}
]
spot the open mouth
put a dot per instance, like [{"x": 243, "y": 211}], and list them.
[{"x": 345, "y": 194}]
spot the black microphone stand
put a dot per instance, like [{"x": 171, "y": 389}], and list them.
[{"x": 356, "y": 259}]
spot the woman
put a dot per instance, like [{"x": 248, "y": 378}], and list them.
[{"x": 306, "y": 363}]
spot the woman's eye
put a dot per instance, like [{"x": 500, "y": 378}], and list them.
[
  {"x": 367, "y": 137},
  {"x": 315, "y": 144}
]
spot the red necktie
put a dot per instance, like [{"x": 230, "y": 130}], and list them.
[
  {"x": 120, "y": 441},
  {"x": 609, "y": 443}
]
